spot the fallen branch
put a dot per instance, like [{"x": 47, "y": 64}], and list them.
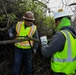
[{"x": 18, "y": 40}]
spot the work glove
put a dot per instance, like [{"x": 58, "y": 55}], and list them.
[
  {"x": 11, "y": 36},
  {"x": 34, "y": 51},
  {"x": 43, "y": 40}
]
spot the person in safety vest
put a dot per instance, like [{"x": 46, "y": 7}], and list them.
[
  {"x": 62, "y": 47},
  {"x": 23, "y": 29}
]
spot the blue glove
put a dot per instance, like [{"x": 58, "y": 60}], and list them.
[{"x": 11, "y": 36}]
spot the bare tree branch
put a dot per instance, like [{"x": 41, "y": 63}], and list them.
[
  {"x": 3, "y": 29},
  {"x": 7, "y": 26},
  {"x": 4, "y": 8},
  {"x": 72, "y": 4},
  {"x": 18, "y": 40}
]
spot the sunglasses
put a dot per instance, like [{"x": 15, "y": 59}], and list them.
[{"x": 28, "y": 20}]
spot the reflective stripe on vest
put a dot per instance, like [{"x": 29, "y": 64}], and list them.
[
  {"x": 18, "y": 27},
  {"x": 29, "y": 31},
  {"x": 69, "y": 58}
]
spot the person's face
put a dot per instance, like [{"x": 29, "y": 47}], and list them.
[
  {"x": 28, "y": 22},
  {"x": 57, "y": 22}
]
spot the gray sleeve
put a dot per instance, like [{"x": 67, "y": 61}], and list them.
[
  {"x": 36, "y": 36},
  {"x": 12, "y": 30},
  {"x": 56, "y": 44}
]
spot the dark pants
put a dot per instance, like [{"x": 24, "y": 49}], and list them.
[
  {"x": 27, "y": 56},
  {"x": 54, "y": 73}
]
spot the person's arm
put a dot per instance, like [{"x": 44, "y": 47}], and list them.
[
  {"x": 36, "y": 36},
  {"x": 12, "y": 32},
  {"x": 56, "y": 44},
  {"x": 12, "y": 29}
]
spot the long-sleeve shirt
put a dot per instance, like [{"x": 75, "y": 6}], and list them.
[
  {"x": 57, "y": 43},
  {"x": 13, "y": 31}
]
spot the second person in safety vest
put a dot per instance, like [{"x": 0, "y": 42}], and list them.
[
  {"x": 62, "y": 47},
  {"x": 23, "y": 29}
]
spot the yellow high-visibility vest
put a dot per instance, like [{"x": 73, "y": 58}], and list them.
[
  {"x": 64, "y": 62},
  {"x": 21, "y": 31}
]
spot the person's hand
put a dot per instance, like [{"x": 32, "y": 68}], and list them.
[
  {"x": 34, "y": 51},
  {"x": 11, "y": 36},
  {"x": 43, "y": 40}
]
